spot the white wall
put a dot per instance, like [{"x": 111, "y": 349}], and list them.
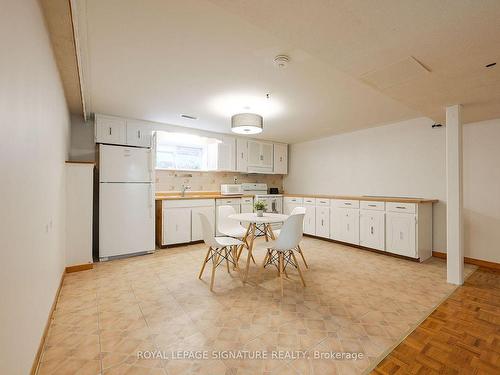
[
  {"x": 402, "y": 159},
  {"x": 482, "y": 190},
  {"x": 33, "y": 147},
  {"x": 408, "y": 159}
]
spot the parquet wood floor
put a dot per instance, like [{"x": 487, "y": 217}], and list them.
[{"x": 462, "y": 336}]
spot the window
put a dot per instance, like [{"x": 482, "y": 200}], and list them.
[{"x": 183, "y": 151}]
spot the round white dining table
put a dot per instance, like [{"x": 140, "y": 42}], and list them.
[{"x": 253, "y": 220}]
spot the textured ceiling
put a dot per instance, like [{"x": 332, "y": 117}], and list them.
[{"x": 354, "y": 64}]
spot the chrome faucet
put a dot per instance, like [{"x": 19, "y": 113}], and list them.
[{"x": 184, "y": 188}]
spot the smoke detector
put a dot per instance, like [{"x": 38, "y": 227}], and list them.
[{"x": 281, "y": 61}]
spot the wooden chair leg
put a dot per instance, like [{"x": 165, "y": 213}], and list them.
[
  {"x": 281, "y": 271},
  {"x": 227, "y": 259},
  {"x": 204, "y": 263},
  {"x": 298, "y": 268},
  {"x": 302, "y": 255},
  {"x": 250, "y": 248},
  {"x": 214, "y": 266}
]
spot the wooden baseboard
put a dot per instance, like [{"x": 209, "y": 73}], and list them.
[
  {"x": 476, "y": 262},
  {"x": 36, "y": 361},
  {"x": 79, "y": 267}
]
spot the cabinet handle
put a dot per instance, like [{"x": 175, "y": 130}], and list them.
[
  {"x": 348, "y": 204},
  {"x": 400, "y": 235},
  {"x": 348, "y": 227},
  {"x": 322, "y": 222},
  {"x": 261, "y": 157},
  {"x": 372, "y": 205},
  {"x": 110, "y": 130},
  {"x": 138, "y": 134},
  {"x": 401, "y": 207},
  {"x": 371, "y": 230},
  {"x": 281, "y": 158},
  {"x": 242, "y": 155}
]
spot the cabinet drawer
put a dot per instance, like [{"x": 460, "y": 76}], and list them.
[
  {"x": 227, "y": 201},
  {"x": 410, "y": 208},
  {"x": 310, "y": 201},
  {"x": 188, "y": 203},
  {"x": 345, "y": 203},
  {"x": 373, "y": 205},
  {"x": 246, "y": 200},
  {"x": 293, "y": 200},
  {"x": 322, "y": 202}
]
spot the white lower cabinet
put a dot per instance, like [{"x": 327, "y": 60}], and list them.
[
  {"x": 289, "y": 203},
  {"x": 323, "y": 221},
  {"x": 176, "y": 225},
  {"x": 310, "y": 216},
  {"x": 401, "y": 234},
  {"x": 246, "y": 205},
  {"x": 323, "y": 217},
  {"x": 372, "y": 229},
  {"x": 344, "y": 221},
  {"x": 196, "y": 229},
  {"x": 181, "y": 223}
]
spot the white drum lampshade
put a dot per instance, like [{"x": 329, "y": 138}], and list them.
[{"x": 246, "y": 123}]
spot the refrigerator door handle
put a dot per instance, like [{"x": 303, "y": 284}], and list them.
[{"x": 150, "y": 198}]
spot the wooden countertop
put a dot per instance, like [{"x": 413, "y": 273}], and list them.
[
  {"x": 161, "y": 196},
  {"x": 365, "y": 198}
]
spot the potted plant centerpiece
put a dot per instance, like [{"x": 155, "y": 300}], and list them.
[{"x": 260, "y": 206}]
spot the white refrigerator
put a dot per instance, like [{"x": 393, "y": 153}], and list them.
[{"x": 126, "y": 201}]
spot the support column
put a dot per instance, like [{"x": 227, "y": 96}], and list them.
[{"x": 454, "y": 199}]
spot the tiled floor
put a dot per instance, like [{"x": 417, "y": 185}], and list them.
[
  {"x": 355, "y": 301},
  {"x": 462, "y": 336}
]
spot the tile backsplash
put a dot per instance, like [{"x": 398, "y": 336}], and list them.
[{"x": 167, "y": 180}]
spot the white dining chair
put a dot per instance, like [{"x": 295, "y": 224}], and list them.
[
  {"x": 281, "y": 251},
  {"x": 232, "y": 228},
  {"x": 295, "y": 211},
  {"x": 219, "y": 249}
]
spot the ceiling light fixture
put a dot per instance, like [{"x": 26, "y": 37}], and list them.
[{"x": 247, "y": 123}]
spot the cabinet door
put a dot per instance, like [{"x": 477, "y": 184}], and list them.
[
  {"x": 372, "y": 229},
  {"x": 289, "y": 206},
  {"x": 400, "y": 234},
  {"x": 310, "y": 220},
  {"x": 176, "y": 225},
  {"x": 246, "y": 208},
  {"x": 196, "y": 230},
  {"x": 226, "y": 154},
  {"x": 110, "y": 130},
  {"x": 241, "y": 155},
  {"x": 323, "y": 222},
  {"x": 138, "y": 134},
  {"x": 254, "y": 154},
  {"x": 350, "y": 226},
  {"x": 336, "y": 223},
  {"x": 280, "y": 158},
  {"x": 267, "y": 151}
]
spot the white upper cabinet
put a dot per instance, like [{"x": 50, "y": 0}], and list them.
[
  {"x": 139, "y": 133},
  {"x": 280, "y": 158},
  {"x": 260, "y": 156},
  {"x": 226, "y": 154},
  {"x": 241, "y": 155},
  {"x": 110, "y": 130}
]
